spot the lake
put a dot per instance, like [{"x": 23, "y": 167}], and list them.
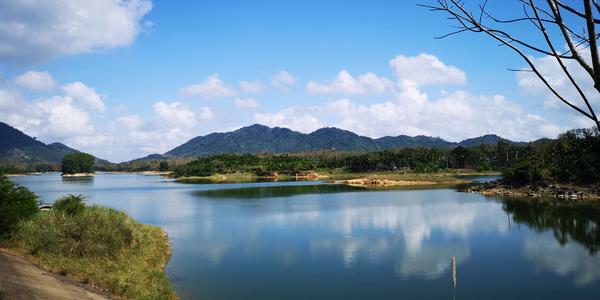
[{"x": 308, "y": 240}]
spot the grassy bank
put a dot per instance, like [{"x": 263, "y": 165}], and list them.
[{"x": 98, "y": 246}]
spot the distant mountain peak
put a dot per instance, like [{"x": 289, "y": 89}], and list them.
[{"x": 258, "y": 138}]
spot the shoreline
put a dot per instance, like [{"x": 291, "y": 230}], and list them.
[
  {"x": 559, "y": 192},
  {"x": 365, "y": 179},
  {"x": 79, "y": 175}
]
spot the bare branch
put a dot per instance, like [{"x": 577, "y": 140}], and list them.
[
  {"x": 469, "y": 23},
  {"x": 562, "y": 65}
]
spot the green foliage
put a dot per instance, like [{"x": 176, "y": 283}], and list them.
[
  {"x": 16, "y": 203},
  {"x": 70, "y": 204},
  {"x": 573, "y": 158},
  {"x": 78, "y": 162}
]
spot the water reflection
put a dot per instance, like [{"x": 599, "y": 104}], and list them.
[
  {"x": 562, "y": 259},
  {"x": 277, "y": 191},
  {"x": 577, "y": 224}
]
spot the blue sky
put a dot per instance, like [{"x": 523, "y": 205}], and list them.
[{"x": 122, "y": 79}]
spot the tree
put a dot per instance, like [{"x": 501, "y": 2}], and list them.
[
  {"x": 16, "y": 203},
  {"x": 574, "y": 26},
  {"x": 163, "y": 166},
  {"x": 78, "y": 162}
]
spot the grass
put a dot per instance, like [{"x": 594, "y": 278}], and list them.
[{"x": 99, "y": 246}]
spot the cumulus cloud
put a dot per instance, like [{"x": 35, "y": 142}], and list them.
[
  {"x": 87, "y": 95},
  {"x": 212, "y": 87},
  {"x": 175, "y": 113},
  {"x": 297, "y": 118},
  {"x": 246, "y": 103},
  {"x": 409, "y": 110},
  {"x": 7, "y": 100},
  {"x": 344, "y": 83},
  {"x": 283, "y": 80},
  {"x": 35, "y": 80},
  {"x": 206, "y": 113},
  {"x": 32, "y": 32},
  {"x": 425, "y": 69},
  {"x": 130, "y": 121},
  {"x": 252, "y": 87},
  {"x": 553, "y": 73}
]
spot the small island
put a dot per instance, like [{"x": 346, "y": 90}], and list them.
[{"x": 78, "y": 164}]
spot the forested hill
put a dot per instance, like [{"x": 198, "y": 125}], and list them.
[
  {"x": 258, "y": 138},
  {"x": 16, "y": 147}
]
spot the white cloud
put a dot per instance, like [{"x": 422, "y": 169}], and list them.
[
  {"x": 175, "y": 114},
  {"x": 252, "y": 87},
  {"x": 35, "y": 80},
  {"x": 553, "y": 73},
  {"x": 344, "y": 83},
  {"x": 37, "y": 31},
  {"x": 87, "y": 95},
  {"x": 455, "y": 116},
  {"x": 425, "y": 69},
  {"x": 296, "y": 118},
  {"x": 409, "y": 110},
  {"x": 212, "y": 87},
  {"x": 130, "y": 121},
  {"x": 246, "y": 103},
  {"x": 206, "y": 113},
  {"x": 7, "y": 100},
  {"x": 283, "y": 80},
  {"x": 57, "y": 118}
]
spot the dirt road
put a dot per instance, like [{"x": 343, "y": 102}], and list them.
[{"x": 20, "y": 279}]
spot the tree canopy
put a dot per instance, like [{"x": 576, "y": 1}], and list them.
[{"x": 78, "y": 163}]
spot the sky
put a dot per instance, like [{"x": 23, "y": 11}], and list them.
[{"x": 122, "y": 79}]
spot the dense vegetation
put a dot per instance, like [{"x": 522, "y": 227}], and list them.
[
  {"x": 91, "y": 244},
  {"x": 78, "y": 162},
  {"x": 482, "y": 157},
  {"x": 573, "y": 158},
  {"x": 16, "y": 203}
]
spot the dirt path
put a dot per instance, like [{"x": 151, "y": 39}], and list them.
[{"x": 20, "y": 279}]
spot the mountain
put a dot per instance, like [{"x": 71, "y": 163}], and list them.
[
  {"x": 488, "y": 139},
  {"x": 17, "y": 147},
  {"x": 259, "y": 138}
]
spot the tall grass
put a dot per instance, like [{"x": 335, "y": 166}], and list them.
[{"x": 100, "y": 246}]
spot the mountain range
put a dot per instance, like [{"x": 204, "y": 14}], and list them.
[
  {"x": 259, "y": 138},
  {"x": 17, "y": 147}
]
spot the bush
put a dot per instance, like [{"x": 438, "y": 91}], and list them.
[
  {"x": 16, "y": 203},
  {"x": 73, "y": 232},
  {"x": 78, "y": 162},
  {"x": 70, "y": 204}
]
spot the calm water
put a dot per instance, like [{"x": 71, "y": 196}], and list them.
[{"x": 304, "y": 240}]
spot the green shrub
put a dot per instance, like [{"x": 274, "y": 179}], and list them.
[
  {"x": 70, "y": 204},
  {"x": 16, "y": 203},
  {"x": 92, "y": 231}
]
